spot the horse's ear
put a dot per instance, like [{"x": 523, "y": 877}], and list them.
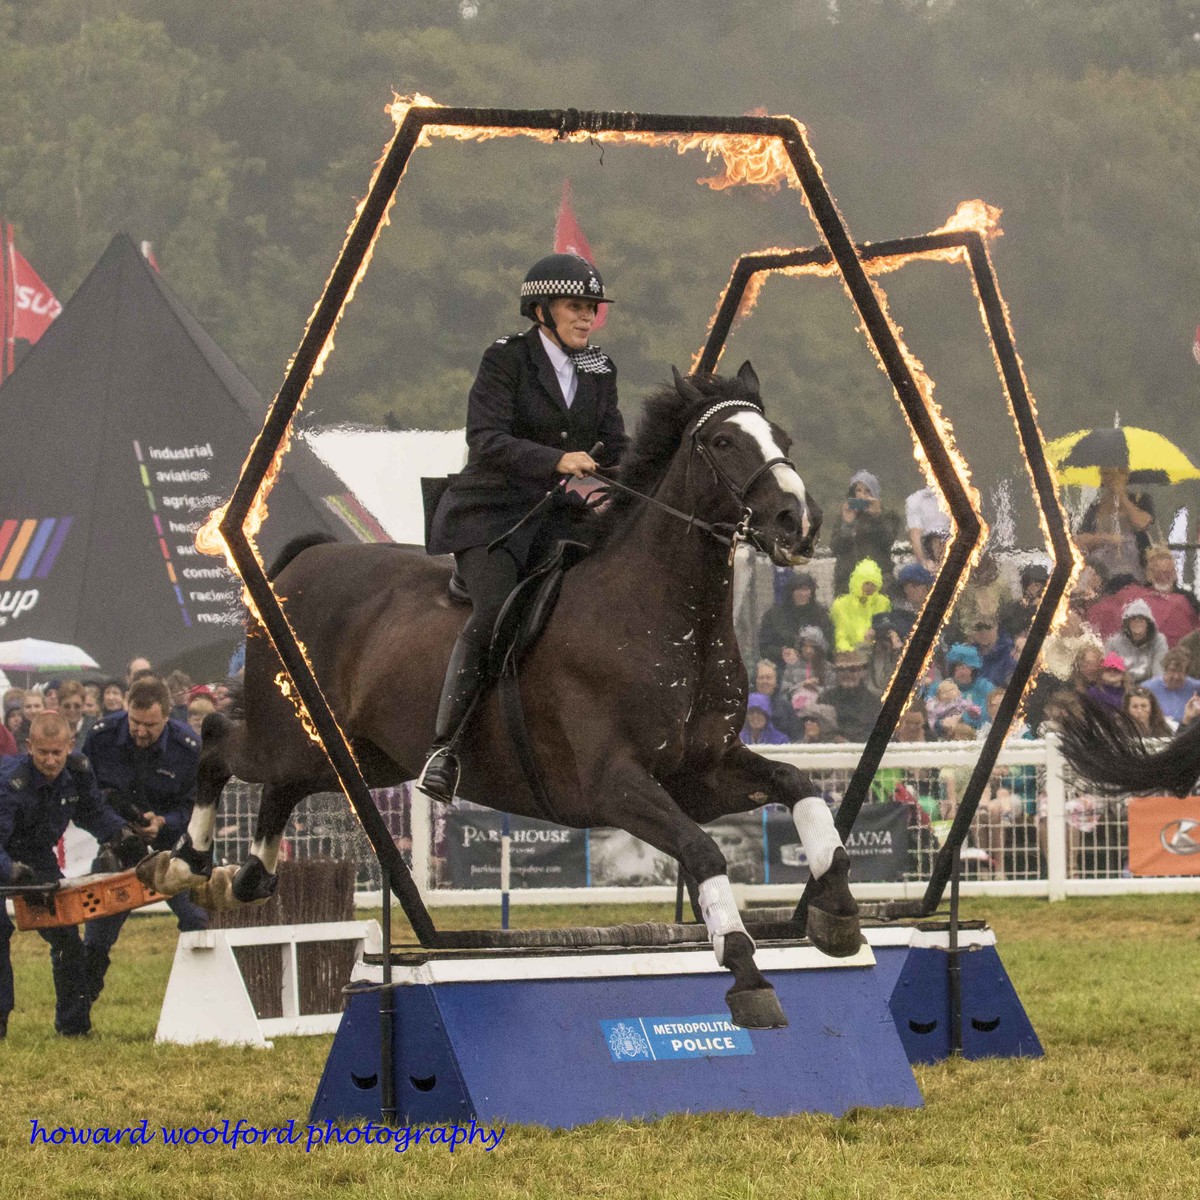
[
  {"x": 687, "y": 389},
  {"x": 747, "y": 378}
]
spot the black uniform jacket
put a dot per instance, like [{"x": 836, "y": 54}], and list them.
[
  {"x": 518, "y": 427},
  {"x": 35, "y": 810}
]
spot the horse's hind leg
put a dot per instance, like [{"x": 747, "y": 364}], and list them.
[
  {"x": 189, "y": 863},
  {"x": 256, "y": 878},
  {"x": 648, "y": 812}
]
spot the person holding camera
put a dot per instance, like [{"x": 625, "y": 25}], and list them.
[{"x": 865, "y": 531}]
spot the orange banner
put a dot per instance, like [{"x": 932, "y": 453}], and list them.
[{"x": 1164, "y": 835}]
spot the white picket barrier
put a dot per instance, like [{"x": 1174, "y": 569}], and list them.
[{"x": 207, "y": 999}]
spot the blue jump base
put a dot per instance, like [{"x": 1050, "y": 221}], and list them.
[{"x": 564, "y": 1038}]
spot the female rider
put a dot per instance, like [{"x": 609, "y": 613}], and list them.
[{"x": 541, "y": 401}]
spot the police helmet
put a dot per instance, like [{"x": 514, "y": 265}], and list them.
[{"x": 559, "y": 275}]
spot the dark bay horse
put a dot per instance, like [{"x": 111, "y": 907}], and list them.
[{"x": 633, "y": 695}]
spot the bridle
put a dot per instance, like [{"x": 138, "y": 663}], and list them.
[{"x": 728, "y": 533}]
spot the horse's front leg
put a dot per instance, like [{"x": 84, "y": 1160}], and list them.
[
  {"x": 639, "y": 805},
  {"x": 189, "y": 863},
  {"x": 742, "y": 781}
]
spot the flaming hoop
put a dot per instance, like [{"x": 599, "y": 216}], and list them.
[
  {"x": 768, "y": 151},
  {"x": 963, "y": 239}
]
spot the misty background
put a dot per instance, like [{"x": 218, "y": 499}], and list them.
[{"x": 237, "y": 138}]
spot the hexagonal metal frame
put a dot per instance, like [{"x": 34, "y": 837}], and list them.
[
  {"x": 563, "y": 123},
  {"x": 999, "y": 331}
]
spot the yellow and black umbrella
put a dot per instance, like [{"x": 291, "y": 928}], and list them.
[{"x": 1147, "y": 456}]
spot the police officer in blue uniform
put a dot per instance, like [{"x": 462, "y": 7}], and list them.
[
  {"x": 541, "y": 400},
  {"x": 40, "y": 791},
  {"x": 146, "y": 766}
]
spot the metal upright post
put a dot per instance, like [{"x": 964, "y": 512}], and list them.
[
  {"x": 387, "y": 1012},
  {"x": 954, "y": 969}
]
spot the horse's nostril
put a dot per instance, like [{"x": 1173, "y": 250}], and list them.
[{"x": 789, "y": 523}]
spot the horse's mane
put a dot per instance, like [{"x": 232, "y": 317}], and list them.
[{"x": 665, "y": 414}]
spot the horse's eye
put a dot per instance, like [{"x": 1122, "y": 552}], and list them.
[{"x": 721, "y": 442}]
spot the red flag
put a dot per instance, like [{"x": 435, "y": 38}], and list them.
[
  {"x": 34, "y": 303},
  {"x": 569, "y": 239},
  {"x": 1196, "y": 345},
  {"x": 148, "y": 255}
]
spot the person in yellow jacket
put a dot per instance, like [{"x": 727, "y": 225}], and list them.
[{"x": 851, "y": 613}]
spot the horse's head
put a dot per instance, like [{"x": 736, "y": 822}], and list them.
[{"x": 748, "y": 456}]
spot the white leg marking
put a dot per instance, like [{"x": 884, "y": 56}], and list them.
[
  {"x": 818, "y": 836},
  {"x": 266, "y": 850},
  {"x": 201, "y": 825},
  {"x": 720, "y": 912}
]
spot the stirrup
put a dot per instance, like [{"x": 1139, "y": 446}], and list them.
[{"x": 439, "y": 788}]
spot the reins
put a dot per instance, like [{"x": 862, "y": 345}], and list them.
[{"x": 737, "y": 531}]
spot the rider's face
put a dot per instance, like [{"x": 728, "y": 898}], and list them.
[{"x": 573, "y": 320}]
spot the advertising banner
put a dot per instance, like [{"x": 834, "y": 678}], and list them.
[
  {"x": 1164, "y": 835},
  {"x": 877, "y": 845},
  {"x": 543, "y": 855}
]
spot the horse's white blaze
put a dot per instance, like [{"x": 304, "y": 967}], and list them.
[
  {"x": 759, "y": 428},
  {"x": 266, "y": 850},
  {"x": 720, "y": 911},
  {"x": 817, "y": 832}
]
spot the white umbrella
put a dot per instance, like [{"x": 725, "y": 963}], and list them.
[{"x": 33, "y": 654}]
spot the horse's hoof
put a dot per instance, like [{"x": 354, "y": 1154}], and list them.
[
  {"x": 253, "y": 883},
  {"x": 839, "y": 937},
  {"x": 832, "y": 912},
  {"x": 166, "y": 874},
  {"x": 755, "y": 1008}
]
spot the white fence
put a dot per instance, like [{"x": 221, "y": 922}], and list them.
[{"x": 1037, "y": 833}]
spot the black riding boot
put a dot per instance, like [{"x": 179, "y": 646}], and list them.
[{"x": 465, "y": 675}]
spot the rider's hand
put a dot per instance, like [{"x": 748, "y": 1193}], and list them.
[
  {"x": 576, "y": 462},
  {"x": 149, "y": 828}
]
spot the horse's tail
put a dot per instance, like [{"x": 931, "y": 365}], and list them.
[
  {"x": 1104, "y": 747},
  {"x": 297, "y": 545}
]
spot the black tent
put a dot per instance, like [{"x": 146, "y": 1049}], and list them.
[{"x": 122, "y": 428}]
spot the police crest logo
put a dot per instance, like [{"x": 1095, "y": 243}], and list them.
[{"x": 625, "y": 1041}]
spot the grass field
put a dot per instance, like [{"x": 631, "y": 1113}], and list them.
[{"x": 1113, "y": 1110}]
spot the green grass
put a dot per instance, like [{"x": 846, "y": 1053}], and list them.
[{"x": 1113, "y": 1110}]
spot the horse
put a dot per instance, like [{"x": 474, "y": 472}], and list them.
[
  {"x": 1105, "y": 747},
  {"x": 634, "y": 693}
]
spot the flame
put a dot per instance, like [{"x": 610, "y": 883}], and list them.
[
  {"x": 977, "y": 216},
  {"x": 283, "y": 682},
  {"x": 748, "y": 160}
]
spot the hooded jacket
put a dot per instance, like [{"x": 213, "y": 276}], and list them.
[
  {"x": 782, "y": 622},
  {"x": 851, "y": 613},
  {"x": 1144, "y": 659}
]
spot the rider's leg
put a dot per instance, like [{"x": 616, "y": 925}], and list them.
[{"x": 489, "y": 579}]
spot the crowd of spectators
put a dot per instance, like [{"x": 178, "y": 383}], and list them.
[{"x": 1130, "y": 638}]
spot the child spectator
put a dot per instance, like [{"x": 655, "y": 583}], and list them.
[
  {"x": 1110, "y": 689},
  {"x": 964, "y": 665},
  {"x": 758, "y": 730},
  {"x": 948, "y": 708},
  {"x": 818, "y": 723},
  {"x": 805, "y": 667},
  {"x": 766, "y": 683},
  {"x": 198, "y": 708},
  {"x": 851, "y": 613}
]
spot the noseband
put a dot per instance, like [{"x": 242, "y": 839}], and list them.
[{"x": 742, "y": 530}]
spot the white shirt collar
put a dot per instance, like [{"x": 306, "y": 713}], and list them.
[
  {"x": 564, "y": 367},
  {"x": 558, "y": 356}
]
